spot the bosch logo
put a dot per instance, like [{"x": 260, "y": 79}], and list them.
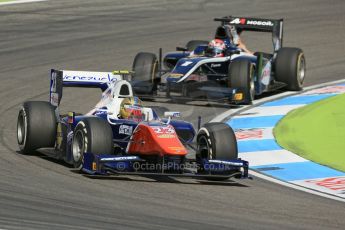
[
  {"x": 244, "y": 21},
  {"x": 259, "y": 23}
]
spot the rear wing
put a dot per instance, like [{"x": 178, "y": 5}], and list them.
[
  {"x": 275, "y": 26},
  {"x": 86, "y": 79}
]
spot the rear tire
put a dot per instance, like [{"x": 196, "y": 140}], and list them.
[
  {"x": 216, "y": 141},
  {"x": 145, "y": 67},
  {"x": 191, "y": 45},
  {"x": 241, "y": 75},
  {"x": 36, "y": 126},
  {"x": 91, "y": 135},
  {"x": 290, "y": 68}
]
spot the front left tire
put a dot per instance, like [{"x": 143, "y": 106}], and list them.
[
  {"x": 290, "y": 68},
  {"x": 36, "y": 126}
]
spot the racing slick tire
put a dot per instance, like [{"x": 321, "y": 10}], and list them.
[
  {"x": 215, "y": 141},
  {"x": 36, "y": 126},
  {"x": 145, "y": 67},
  {"x": 91, "y": 135},
  {"x": 191, "y": 45},
  {"x": 241, "y": 75},
  {"x": 290, "y": 68}
]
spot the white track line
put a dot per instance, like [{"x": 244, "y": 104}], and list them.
[
  {"x": 20, "y": 1},
  {"x": 297, "y": 187}
]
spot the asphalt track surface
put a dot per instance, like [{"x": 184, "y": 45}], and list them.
[{"x": 39, "y": 193}]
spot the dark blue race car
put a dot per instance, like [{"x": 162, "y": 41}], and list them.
[{"x": 237, "y": 76}]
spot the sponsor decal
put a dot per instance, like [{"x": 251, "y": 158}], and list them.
[
  {"x": 238, "y": 21},
  {"x": 167, "y": 136},
  {"x": 70, "y": 137},
  {"x": 266, "y": 74},
  {"x": 126, "y": 129},
  {"x": 186, "y": 63},
  {"x": 164, "y": 130},
  {"x": 100, "y": 112},
  {"x": 215, "y": 65},
  {"x": 196, "y": 77},
  {"x": 53, "y": 79},
  {"x": 335, "y": 183},
  {"x": 255, "y": 133},
  {"x": 259, "y": 23},
  {"x": 54, "y": 99},
  {"x": 175, "y": 148},
  {"x": 85, "y": 78},
  {"x": 225, "y": 162},
  {"x": 172, "y": 114},
  {"x": 175, "y": 75},
  {"x": 120, "y": 158},
  {"x": 328, "y": 89},
  {"x": 244, "y": 21}
]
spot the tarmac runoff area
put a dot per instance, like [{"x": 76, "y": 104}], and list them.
[{"x": 257, "y": 144}]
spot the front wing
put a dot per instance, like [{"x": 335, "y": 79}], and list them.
[{"x": 107, "y": 165}]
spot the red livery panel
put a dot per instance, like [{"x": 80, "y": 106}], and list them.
[{"x": 155, "y": 140}]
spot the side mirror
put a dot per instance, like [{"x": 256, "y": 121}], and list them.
[
  {"x": 181, "y": 49},
  {"x": 172, "y": 114}
]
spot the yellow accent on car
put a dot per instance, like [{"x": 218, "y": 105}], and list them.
[
  {"x": 122, "y": 72},
  {"x": 175, "y": 75},
  {"x": 58, "y": 136},
  {"x": 238, "y": 96},
  {"x": 94, "y": 166}
]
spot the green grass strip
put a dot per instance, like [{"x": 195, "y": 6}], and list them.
[{"x": 316, "y": 132}]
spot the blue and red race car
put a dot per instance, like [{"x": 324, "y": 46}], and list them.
[{"x": 120, "y": 136}]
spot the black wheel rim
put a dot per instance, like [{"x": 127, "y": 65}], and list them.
[{"x": 204, "y": 148}]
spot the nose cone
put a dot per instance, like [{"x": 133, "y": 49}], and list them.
[{"x": 156, "y": 140}]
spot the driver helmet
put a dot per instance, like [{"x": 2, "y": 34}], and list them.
[
  {"x": 215, "y": 48},
  {"x": 131, "y": 108}
]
